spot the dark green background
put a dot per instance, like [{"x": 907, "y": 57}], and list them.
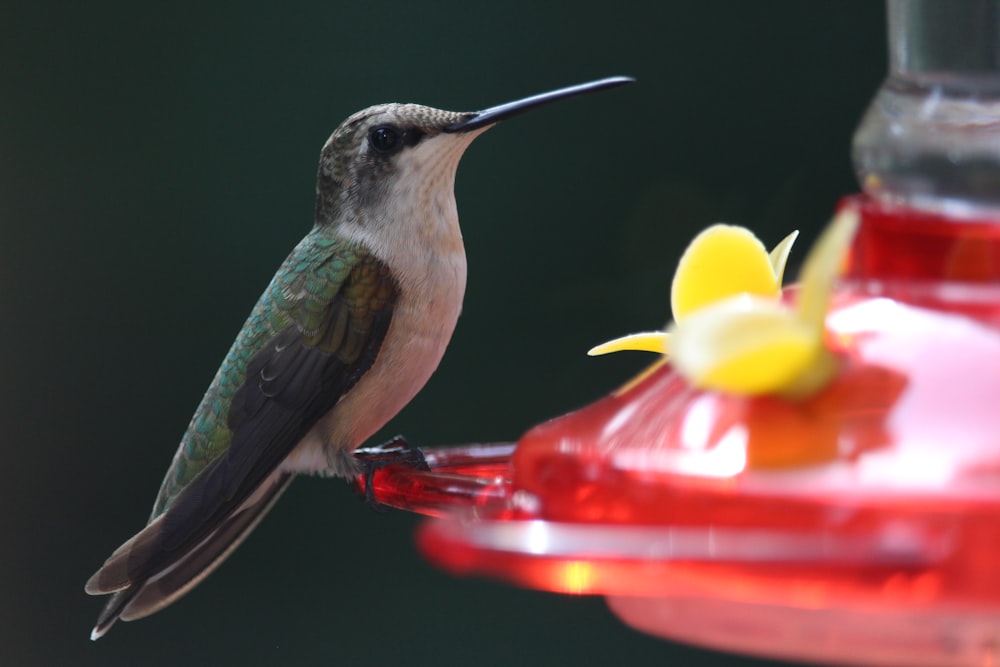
[{"x": 156, "y": 165}]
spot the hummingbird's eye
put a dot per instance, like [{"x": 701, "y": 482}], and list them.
[{"x": 385, "y": 139}]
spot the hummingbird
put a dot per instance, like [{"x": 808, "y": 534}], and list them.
[{"x": 349, "y": 329}]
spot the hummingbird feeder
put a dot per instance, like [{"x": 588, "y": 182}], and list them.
[{"x": 853, "y": 519}]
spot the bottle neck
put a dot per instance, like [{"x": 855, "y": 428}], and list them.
[{"x": 930, "y": 139}]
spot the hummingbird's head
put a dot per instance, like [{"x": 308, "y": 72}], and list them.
[
  {"x": 406, "y": 155},
  {"x": 382, "y": 149}
]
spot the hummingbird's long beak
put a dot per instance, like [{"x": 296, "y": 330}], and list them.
[{"x": 495, "y": 114}]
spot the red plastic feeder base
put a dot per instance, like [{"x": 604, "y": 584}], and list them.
[{"x": 860, "y": 526}]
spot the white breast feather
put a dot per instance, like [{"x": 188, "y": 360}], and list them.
[{"x": 419, "y": 238}]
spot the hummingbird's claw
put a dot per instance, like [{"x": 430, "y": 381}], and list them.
[{"x": 397, "y": 451}]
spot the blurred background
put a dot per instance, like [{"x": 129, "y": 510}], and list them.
[{"x": 157, "y": 163}]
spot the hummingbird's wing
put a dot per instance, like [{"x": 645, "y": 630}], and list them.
[{"x": 314, "y": 333}]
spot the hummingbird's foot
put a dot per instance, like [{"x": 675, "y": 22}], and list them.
[{"x": 396, "y": 451}]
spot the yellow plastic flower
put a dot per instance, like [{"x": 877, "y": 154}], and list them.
[
  {"x": 701, "y": 280},
  {"x": 731, "y": 332},
  {"x": 725, "y": 260},
  {"x": 722, "y": 261}
]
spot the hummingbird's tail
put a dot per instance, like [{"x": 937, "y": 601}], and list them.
[
  {"x": 112, "y": 610},
  {"x": 138, "y": 599}
]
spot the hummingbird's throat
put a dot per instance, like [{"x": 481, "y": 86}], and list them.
[{"x": 423, "y": 195}]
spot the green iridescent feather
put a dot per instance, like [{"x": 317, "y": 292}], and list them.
[{"x": 330, "y": 291}]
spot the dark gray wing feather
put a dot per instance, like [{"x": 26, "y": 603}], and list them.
[{"x": 290, "y": 383}]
